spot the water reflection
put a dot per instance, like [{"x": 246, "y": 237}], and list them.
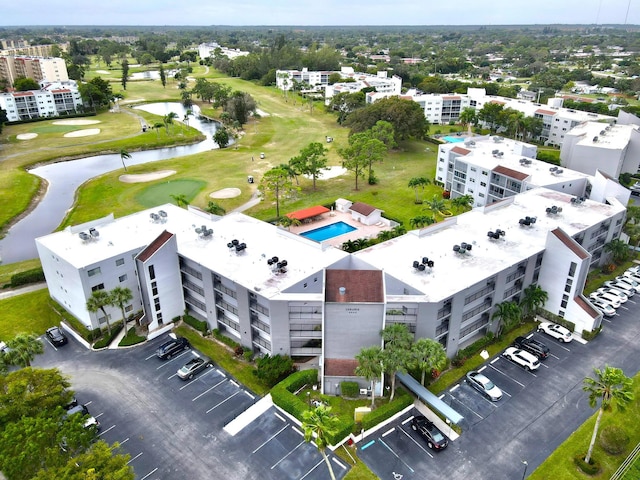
[{"x": 65, "y": 177}]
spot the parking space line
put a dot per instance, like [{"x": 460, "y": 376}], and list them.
[
  {"x": 454, "y": 388},
  {"x": 543, "y": 365},
  {"x": 231, "y": 381},
  {"x": 276, "y": 414},
  {"x": 482, "y": 369},
  {"x": 223, "y": 401},
  {"x": 150, "y": 356},
  {"x": 99, "y": 415},
  {"x": 137, "y": 456},
  {"x": 271, "y": 437},
  {"x": 221, "y": 373},
  {"x": 312, "y": 469},
  {"x": 408, "y": 420},
  {"x": 108, "y": 429},
  {"x": 194, "y": 380},
  {"x": 391, "y": 450},
  {"x": 514, "y": 363},
  {"x": 208, "y": 390},
  {"x": 494, "y": 360},
  {"x": 297, "y": 431},
  {"x": 470, "y": 409},
  {"x": 417, "y": 444},
  {"x": 563, "y": 347},
  {"x": 124, "y": 441},
  {"x": 169, "y": 362},
  {"x": 509, "y": 377},
  {"x": 150, "y": 473},
  {"x": 388, "y": 432},
  {"x": 367, "y": 445},
  {"x": 334, "y": 459},
  {"x": 284, "y": 458},
  {"x": 252, "y": 397},
  {"x": 552, "y": 355},
  {"x": 89, "y": 402}
]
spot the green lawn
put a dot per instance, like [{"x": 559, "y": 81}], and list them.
[
  {"x": 160, "y": 193},
  {"x": 29, "y": 312},
  {"x": 40, "y": 129},
  {"x": 7, "y": 271},
  {"x": 559, "y": 465}
]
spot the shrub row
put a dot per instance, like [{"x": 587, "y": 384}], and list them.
[
  {"x": 467, "y": 352},
  {"x": 224, "y": 339},
  {"x": 401, "y": 401},
  {"x": 282, "y": 393},
  {"x": 349, "y": 389},
  {"x": 193, "y": 322},
  {"x": 131, "y": 338},
  {"x": 107, "y": 339},
  {"x": 590, "y": 335},
  {"x": 35, "y": 275},
  {"x": 557, "y": 319}
]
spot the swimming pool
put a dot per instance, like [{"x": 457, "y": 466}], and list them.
[
  {"x": 451, "y": 139},
  {"x": 328, "y": 231}
]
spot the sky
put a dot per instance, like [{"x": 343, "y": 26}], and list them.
[{"x": 319, "y": 12}]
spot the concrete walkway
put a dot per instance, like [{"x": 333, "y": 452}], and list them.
[
  {"x": 19, "y": 291},
  {"x": 249, "y": 415}
]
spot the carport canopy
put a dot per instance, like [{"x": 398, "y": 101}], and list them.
[
  {"x": 429, "y": 398},
  {"x": 308, "y": 212}
]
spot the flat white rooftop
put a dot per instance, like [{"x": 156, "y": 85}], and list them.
[
  {"x": 453, "y": 272},
  {"x": 248, "y": 268},
  {"x": 614, "y": 137}
]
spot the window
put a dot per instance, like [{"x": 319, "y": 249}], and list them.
[
  {"x": 128, "y": 308},
  {"x": 122, "y": 278},
  {"x": 483, "y": 184},
  {"x": 152, "y": 272},
  {"x": 93, "y": 271},
  {"x": 572, "y": 269},
  {"x": 95, "y": 288},
  {"x": 119, "y": 262},
  {"x": 484, "y": 172}
]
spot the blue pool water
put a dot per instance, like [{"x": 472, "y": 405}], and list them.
[
  {"x": 451, "y": 139},
  {"x": 328, "y": 231}
]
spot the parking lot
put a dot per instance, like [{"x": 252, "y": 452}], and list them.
[
  {"x": 538, "y": 411},
  {"x": 173, "y": 428}
]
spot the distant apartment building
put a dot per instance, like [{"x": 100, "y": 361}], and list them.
[
  {"x": 610, "y": 148},
  {"x": 206, "y": 50},
  {"x": 438, "y": 108},
  {"x": 54, "y": 99},
  {"x": 40, "y": 69},
  {"x": 490, "y": 169}
]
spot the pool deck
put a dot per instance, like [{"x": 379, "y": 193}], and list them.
[{"x": 362, "y": 230}]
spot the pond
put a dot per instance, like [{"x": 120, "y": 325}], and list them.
[{"x": 65, "y": 177}]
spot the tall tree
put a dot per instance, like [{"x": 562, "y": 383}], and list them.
[
  {"x": 124, "y": 155},
  {"x": 119, "y": 297},
  {"x": 319, "y": 424},
  {"x": 168, "y": 120},
  {"x": 507, "y": 314},
  {"x": 163, "y": 76},
  {"x": 533, "y": 297},
  {"x": 276, "y": 183},
  {"x": 23, "y": 348},
  {"x": 361, "y": 153},
  {"x": 418, "y": 182},
  {"x": 239, "y": 106},
  {"x": 221, "y": 137},
  {"x": 396, "y": 355},
  {"x": 436, "y": 205},
  {"x": 612, "y": 388},
  {"x": 491, "y": 114},
  {"x": 468, "y": 117},
  {"x": 97, "y": 301},
  {"x": 428, "y": 355},
  {"x": 125, "y": 73},
  {"x": 383, "y": 131},
  {"x": 370, "y": 367},
  {"x": 311, "y": 161},
  {"x": 463, "y": 201},
  {"x": 618, "y": 249}
]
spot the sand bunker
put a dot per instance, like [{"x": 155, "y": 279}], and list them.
[
  {"x": 331, "y": 173},
  {"x": 26, "y": 136},
  {"x": 146, "y": 177},
  {"x": 103, "y": 72},
  {"x": 83, "y": 133},
  {"x": 262, "y": 113},
  {"x": 226, "y": 193},
  {"x": 77, "y": 121}
]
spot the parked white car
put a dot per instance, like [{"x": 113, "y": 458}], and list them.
[
  {"x": 526, "y": 360},
  {"x": 556, "y": 331},
  {"x": 625, "y": 287},
  {"x": 635, "y": 269},
  {"x": 613, "y": 291},
  {"x": 606, "y": 308},
  {"x": 610, "y": 299},
  {"x": 632, "y": 275}
]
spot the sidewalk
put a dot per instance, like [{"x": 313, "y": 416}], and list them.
[{"x": 19, "y": 291}]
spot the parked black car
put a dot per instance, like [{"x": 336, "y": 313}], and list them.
[
  {"x": 530, "y": 345},
  {"x": 427, "y": 430},
  {"x": 56, "y": 337},
  {"x": 170, "y": 348}
]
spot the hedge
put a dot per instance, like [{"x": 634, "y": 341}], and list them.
[
  {"x": 557, "y": 319},
  {"x": 224, "y": 339},
  {"x": 401, "y": 401},
  {"x": 195, "y": 323},
  {"x": 107, "y": 339},
  {"x": 282, "y": 393},
  {"x": 349, "y": 389},
  {"x": 35, "y": 275}
]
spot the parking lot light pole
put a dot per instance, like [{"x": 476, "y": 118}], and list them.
[
  {"x": 524, "y": 474},
  {"x": 309, "y": 399}
]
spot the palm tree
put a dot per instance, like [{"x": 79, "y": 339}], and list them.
[
  {"x": 97, "y": 301},
  {"x": 119, "y": 298},
  {"x": 398, "y": 230},
  {"x": 618, "y": 249},
  {"x": 428, "y": 355},
  {"x": 421, "y": 221},
  {"x": 23, "y": 348},
  {"x": 180, "y": 199},
  {"x": 288, "y": 222},
  {"x": 157, "y": 126},
  {"x": 370, "y": 367},
  {"x": 612, "y": 387},
  {"x": 124, "y": 155},
  {"x": 417, "y": 182},
  {"x": 385, "y": 235},
  {"x": 436, "y": 205},
  {"x": 533, "y": 297},
  {"x": 215, "y": 208},
  {"x": 397, "y": 351},
  {"x": 318, "y": 424},
  {"x": 463, "y": 201},
  {"x": 168, "y": 120},
  {"x": 508, "y": 314},
  {"x": 187, "y": 114}
]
